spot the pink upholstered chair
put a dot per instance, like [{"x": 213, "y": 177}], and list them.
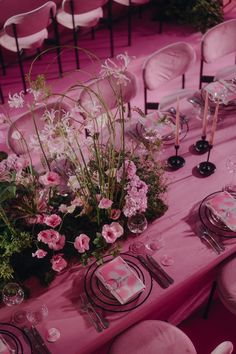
[
  {"x": 23, "y": 127},
  {"x": 165, "y": 65},
  {"x": 216, "y": 43},
  {"x": 80, "y": 13},
  {"x": 158, "y": 337},
  {"x": 28, "y": 31},
  {"x": 130, "y": 4},
  {"x": 110, "y": 90}
]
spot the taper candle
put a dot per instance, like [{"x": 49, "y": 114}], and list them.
[
  {"x": 205, "y": 113},
  {"x": 214, "y": 122},
  {"x": 177, "y": 124}
]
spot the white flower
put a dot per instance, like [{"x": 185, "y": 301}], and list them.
[
  {"x": 36, "y": 93},
  {"x": 110, "y": 68},
  {"x": 17, "y": 100}
]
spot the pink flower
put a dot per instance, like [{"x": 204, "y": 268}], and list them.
[
  {"x": 39, "y": 253},
  {"x": 50, "y": 179},
  {"x": 115, "y": 214},
  {"x": 112, "y": 232},
  {"x": 52, "y": 220},
  {"x": 58, "y": 263},
  {"x": 52, "y": 238},
  {"x": 82, "y": 243},
  {"x": 105, "y": 203},
  {"x": 128, "y": 168}
]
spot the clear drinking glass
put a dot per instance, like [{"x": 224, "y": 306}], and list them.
[
  {"x": 231, "y": 167},
  {"x": 37, "y": 313},
  {"x": 13, "y": 295},
  {"x": 137, "y": 223}
]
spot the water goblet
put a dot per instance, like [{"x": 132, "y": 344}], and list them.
[
  {"x": 13, "y": 295},
  {"x": 37, "y": 313},
  {"x": 231, "y": 166}
]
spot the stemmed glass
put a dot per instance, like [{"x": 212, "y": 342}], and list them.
[
  {"x": 231, "y": 166},
  {"x": 13, "y": 295},
  {"x": 37, "y": 313},
  {"x": 137, "y": 224}
]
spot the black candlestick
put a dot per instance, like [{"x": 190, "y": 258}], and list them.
[
  {"x": 176, "y": 161},
  {"x": 206, "y": 168},
  {"x": 202, "y": 146}
]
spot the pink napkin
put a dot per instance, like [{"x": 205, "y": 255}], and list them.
[
  {"x": 120, "y": 280},
  {"x": 4, "y": 349},
  {"x": 223, "y": 205}
]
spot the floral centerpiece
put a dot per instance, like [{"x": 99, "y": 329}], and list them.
[{"x": 75, "y": 203}]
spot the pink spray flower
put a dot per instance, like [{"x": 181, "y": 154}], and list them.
[
  {"x": 82, "y": 243},
  {"x": 52, "y": 220},
  {"x": 115, "y": 214},
  {"x": 52, "y": 238},
  {"x": 50, "y": 179},
  {"x": 58, "y": 263},
  {"x": 105, "y": 203},
  {"x": 39, "y": 253}
]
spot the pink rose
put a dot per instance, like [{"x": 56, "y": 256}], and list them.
[
  {"x": 40, "y": 219},
  {"x": 50, "y": 179},
  {"x": 52, "y": 238},
  {"x": 82, "y": 243},
  {"x": 112, "y": 232},
  {"x": 39, "y": 253},
  {"x": 115, "y": 214},
  {"x": 58, "y": 263},
  {"x": 105, "y": 203},
  {"x": 52, "y": 220}
]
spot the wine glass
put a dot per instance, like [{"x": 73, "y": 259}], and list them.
[
  {"x": 37, "y": 313},
  {"x": 231, "y": 166},
  {"x": 13, "y": 295}
]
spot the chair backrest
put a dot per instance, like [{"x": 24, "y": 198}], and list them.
[
  {"x": 224, "y": 348},
  {"x": 109, "y": 90},
  {"x": 30, "y": 22},
  {"x": 219, "y": 41},
  {"x": 82, "y": 6},
  {"x": 167, "y": 63}
]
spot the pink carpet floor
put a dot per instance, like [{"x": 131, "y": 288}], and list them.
[{"x": 205, "y": 334}]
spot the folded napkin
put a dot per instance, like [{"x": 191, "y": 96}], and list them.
[
  {"x": 4, "y": 348},
  {"x": 120, "y": 280},
  {"x": 159, "y": 124},
  {"x": 223, "y": 205},
  {"x": 222, "y": 90}
]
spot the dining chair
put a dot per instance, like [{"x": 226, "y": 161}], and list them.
[
  {"x": 28, "y": 31},
  {"x": 106, "y": 93},
  {"x": 76, "y": 14},
  {"x": 225, "y": 284},
  {"x": 23, "y": 127},
  {"x": 216, "y": 43},
  {"x": 163, "y": 66},
  {"x": 158, "y": 337},
  {"x": 130, "y": 4},
  {"x": 1, "y": 95}
]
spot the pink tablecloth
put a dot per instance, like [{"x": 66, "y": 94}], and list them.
[{"x": 194, "y": 264}]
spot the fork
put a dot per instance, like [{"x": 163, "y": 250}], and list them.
[
  {"x": 218, "y": 244},
  {"x": 90, "y": 314},
  {"x": 103, "y": 321},
  {"x": 210, "y": 240}
]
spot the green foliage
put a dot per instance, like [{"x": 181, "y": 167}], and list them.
[{"x": 201, "y": 14}]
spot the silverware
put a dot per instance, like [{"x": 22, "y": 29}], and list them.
[
  {"x": 218, "y": 244},
  {"x": 90, "y": 313},
  {"x": 157, "y": 276},
  {"x": 40, "y": 340},
  {"x": 35, "y": 346},
  {"x": 104, "y": 321},
  {"x": 205, "y": 239},
  {"x": 161, "y": 270}
]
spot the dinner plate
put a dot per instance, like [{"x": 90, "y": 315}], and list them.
[
  {"x": 211, "y": 221},
  {"x": 164, "y": 129},
  {"x": 15, "y": 338},
  {"x": 101, "y": 297}
]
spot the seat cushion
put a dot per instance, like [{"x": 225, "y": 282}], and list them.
[
  {"x": 226, "y": 284},
  {"x": 88, "y": 19},
  {"x": 152, "y": 337},
  {"x": 30, "y": 42}
]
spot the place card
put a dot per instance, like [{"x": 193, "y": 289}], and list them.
[
  {"x": 223, "y": 206},
  {"x": 118, "y": 277}
]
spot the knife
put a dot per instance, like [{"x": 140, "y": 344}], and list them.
[
  {"x": 161, "y": 270},
  {"x": 158, "y": 277},
  {"x": 40, "y": 340},
  {"x": 35, "y": 346}
]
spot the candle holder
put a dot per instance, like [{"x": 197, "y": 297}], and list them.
[
  {"x": 202, "y": 146},
  {"x": 175, "y": 162},
  {"x": 206, "y": 168}
]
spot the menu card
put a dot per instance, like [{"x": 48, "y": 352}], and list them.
[
  {"x": 223, "y": 205},
  {"x": 120, "y": 280}
]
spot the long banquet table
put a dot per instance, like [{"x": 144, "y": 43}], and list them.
[{"x": 194, "y": 264}]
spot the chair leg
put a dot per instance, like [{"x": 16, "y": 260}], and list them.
[
  {"x": 110, "y": 26},
  {"x": 145, "y": 100},
  {"x": 56, "y": 33},
  {"x": 2, "y": 63},
  {"x": 1, "y": 95},
  {"x": 19, "y": 58},
  {"x": 92, "y": 33},
  {"x": 209, "y": 301},
  {"x": 75, "y": 36}
]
